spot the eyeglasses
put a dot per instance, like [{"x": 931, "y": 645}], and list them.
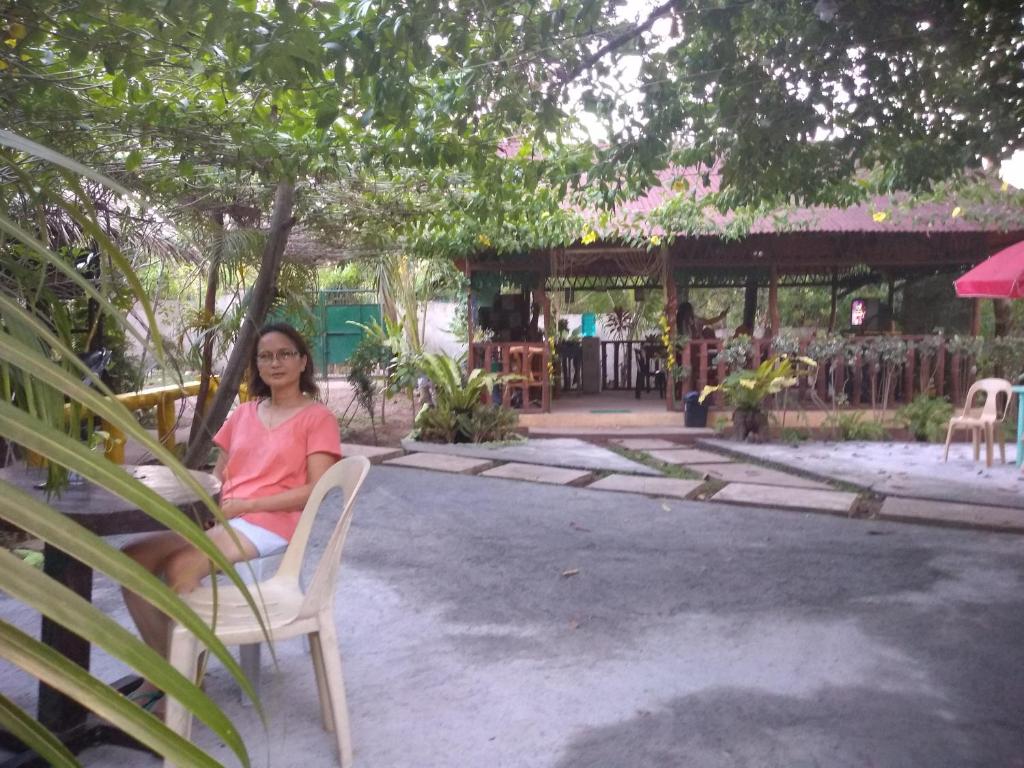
[{"x": 282, "y": 356}]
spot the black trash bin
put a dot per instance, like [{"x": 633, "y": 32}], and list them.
[{"x": 695, "y": 413}]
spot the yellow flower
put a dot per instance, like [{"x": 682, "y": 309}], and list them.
[
  {"x": 655, "y": 240},
  {"x": 590, "y": 237},
  {"x": 880, "y": 216},
  {"x": 1005, "y": 186},
  {"x": 11, "y": 42},
  {"x": 483, "y": 240},
  {"x": 748, "y": 383},
  {"x": 706, "y": 391},
  {"x": 956, "y": 211}
]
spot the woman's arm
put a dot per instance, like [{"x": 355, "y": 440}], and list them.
[{"x": 293, "y": 498}]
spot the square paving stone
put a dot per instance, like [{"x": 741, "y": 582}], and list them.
[
  {"x": 688, "y": 456},
  {"x": 441, "y": 462},
  {"x": 375, "y": 453},
  {"x": 795, "y": 498},
  {"x": 539, "y": 474},
  {"x": 752, "y": 473},
  {"x": 952, "y": 513},
  {"x": 649, "y": 486},
  {"x": 644, "y": 443}
]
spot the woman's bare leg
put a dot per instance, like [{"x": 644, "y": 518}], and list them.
[
  {"x": 185, "y": 568},
  {"x": 152, "y": 553}
]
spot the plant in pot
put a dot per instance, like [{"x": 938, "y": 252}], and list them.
[{"x": 747, "y": 390}]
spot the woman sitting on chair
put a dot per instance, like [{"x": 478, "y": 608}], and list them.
[{"x": 273, "y": 449}]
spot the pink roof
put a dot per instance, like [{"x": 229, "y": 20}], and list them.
[{"x": 882, "y": 214}]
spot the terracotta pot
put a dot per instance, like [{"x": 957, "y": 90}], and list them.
[{"x": 751, "y": 426}]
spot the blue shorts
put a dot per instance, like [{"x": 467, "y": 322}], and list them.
[{"x": 267, "y": 543}]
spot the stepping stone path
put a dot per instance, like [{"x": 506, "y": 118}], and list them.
[
  {"x": 643, "y": 443},
  {"x": 375, "y": 453},
  {"x": 687, "y": 456},
  {"x": 778, "y": 496},
  {"x": 650, "y": 486},
  {"x": 752, "y": 473},
  {"x": 537, "y": 474},
  {"x": 916, "y": 510},
  {"x": 441, "y": 462}
]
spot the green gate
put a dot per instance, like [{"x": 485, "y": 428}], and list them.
[{"x": 336, "y": 338}]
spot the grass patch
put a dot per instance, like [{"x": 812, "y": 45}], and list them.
[{"x": 669, "y": 470}]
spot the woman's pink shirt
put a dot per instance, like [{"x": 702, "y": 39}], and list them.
[{"x": 263, "y": 461}]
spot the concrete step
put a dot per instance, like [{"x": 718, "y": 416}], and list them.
[
  {"x": 738, "y": 472},
  {"x": 787, "y": 497},
  {"x": 536, "y": 473},
  {"x": 440, "y": 462},
  {"x": 375, "y": 453},
  {"x": 953, "y": 513},
  {"x": 648, "y": 486}
]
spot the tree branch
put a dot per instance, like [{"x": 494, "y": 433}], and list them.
[{"x": 617, "y": 42}]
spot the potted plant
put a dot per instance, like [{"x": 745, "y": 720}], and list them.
[{"x": 746, "y": 391}]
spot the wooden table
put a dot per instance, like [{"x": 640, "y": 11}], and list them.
[{"x": 105, "y": 514}]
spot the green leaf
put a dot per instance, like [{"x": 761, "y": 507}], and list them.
[
  {"x": 17, "y": 722},
  {"x": 59, "y": 672},
  {"x": 27, "y": 584},
  {"x": 118, "y": 86},
  {"x": 326, "y": 114},
  {"x": 133, "y": 161}
]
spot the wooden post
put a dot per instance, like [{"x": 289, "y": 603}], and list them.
[
  {"x": 671, "y": 304},
  {"x": 976, "y": 318},
  {"x": 469, "y": 314},
  {"x": 832, "y": 308},
  {"x": 773, "y": 302},
  {"x": 750, "y": 303}
]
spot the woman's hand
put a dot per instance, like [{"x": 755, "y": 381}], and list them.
[{"x": 235, "y": 507}]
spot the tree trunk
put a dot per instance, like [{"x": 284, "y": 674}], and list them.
[
  {"x": 262, "y": 295},
  {"x": 209, "y": 311}
]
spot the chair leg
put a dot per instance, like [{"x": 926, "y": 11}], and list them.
[
  {"x": 182, "y": 656},
  {"x": 988, "y": 444},
  {"x": 249, "y": 659},
  {"x": 336, "y": 685},
  {"x": 949, "y": 437},
  {"x": 976, "y": 442},
  {"x": 316, "y": 651}
]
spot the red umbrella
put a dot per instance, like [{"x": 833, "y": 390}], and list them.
[{"x": 1000, "y": 276}]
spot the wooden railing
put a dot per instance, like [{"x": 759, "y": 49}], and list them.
[
  {"x": 525, "y": 359},
  {"x": 937, "y": 371},
  {"x": 164, "y": 399}
]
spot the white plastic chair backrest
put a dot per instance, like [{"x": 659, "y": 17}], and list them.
[
  {"x": 347, "y": 476},
  {"x": 992, "y": 389}
]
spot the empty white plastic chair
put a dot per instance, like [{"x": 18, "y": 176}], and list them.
[{"x": 984, "y": 421}]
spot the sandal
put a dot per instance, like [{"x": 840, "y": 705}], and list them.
[{"x": 147, "y": 700}]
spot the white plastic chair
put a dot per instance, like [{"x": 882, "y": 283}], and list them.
[
  {"x": 983, "y": 421},
  {"x": 288, "y": 610}
]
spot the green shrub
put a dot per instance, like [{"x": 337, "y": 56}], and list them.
[
  {"x": 793, "y": 435},
  {"x": 926, "y": 417},
  {"x": 853, "y": 426},
  {"x": 458, "y": 415}
]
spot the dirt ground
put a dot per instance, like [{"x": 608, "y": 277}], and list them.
[{"x": 356, "y": 426}]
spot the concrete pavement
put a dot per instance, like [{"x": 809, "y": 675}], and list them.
[{"x": 489, "y": 622}]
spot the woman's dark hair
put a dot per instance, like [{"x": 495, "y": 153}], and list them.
[{"x": 258, "y": 388}]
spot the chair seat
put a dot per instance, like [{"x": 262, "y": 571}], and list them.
[{"x": 278, "y": 601}]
